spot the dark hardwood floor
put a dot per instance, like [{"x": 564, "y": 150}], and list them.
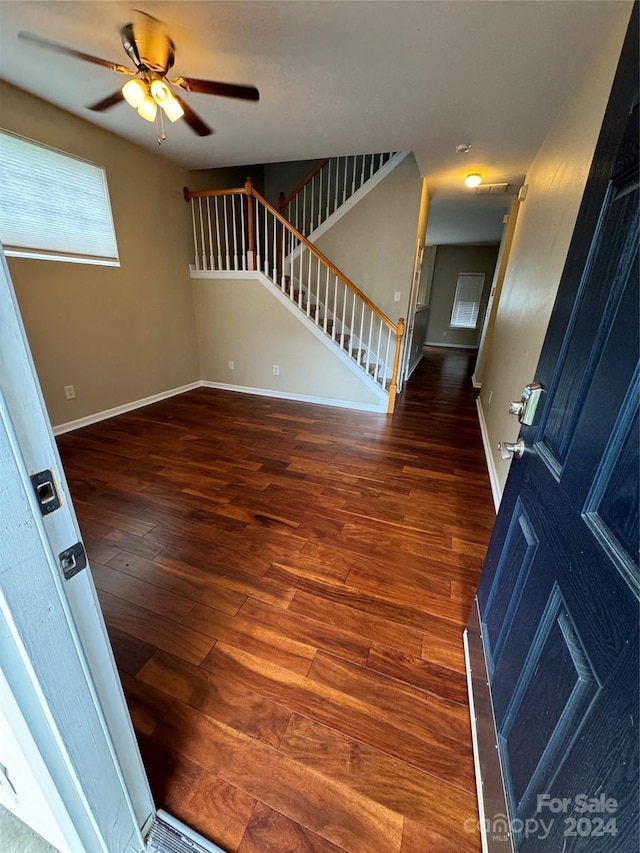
[{"x": 285, "y": 587}]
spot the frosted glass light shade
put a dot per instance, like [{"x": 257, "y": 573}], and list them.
[
  {"x": 160, "y": 91},
  {"x": 172, "y": 109},
  {"x": 134, "y": 92},
  {"x": 148, "y": 109},
  {"x": 473, "y": 179}
]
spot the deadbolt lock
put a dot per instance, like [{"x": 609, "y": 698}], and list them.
[{"x": 525, "y": 408}]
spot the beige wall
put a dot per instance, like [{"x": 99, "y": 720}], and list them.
[
  {"x": 241, "y": 320},
  {"x": 116, "y": 334},
  {"x": 546, "y": 220},
  {"x": 374, "y": 243},
  {"x": 486, "y": 336},
  {"x": 450, "y": 261}
]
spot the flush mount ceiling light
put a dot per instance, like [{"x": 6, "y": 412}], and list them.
[{"x": 473, "y": 179}]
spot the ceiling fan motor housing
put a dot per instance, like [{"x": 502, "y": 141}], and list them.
[{"x": 145, "y": 55}]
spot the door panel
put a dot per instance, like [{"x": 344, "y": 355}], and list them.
[{"x": 558, "y": 597}]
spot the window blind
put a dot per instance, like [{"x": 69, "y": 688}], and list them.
[
  {"x": 53, "y": 205},
  {"x": 466, "y": 303}
]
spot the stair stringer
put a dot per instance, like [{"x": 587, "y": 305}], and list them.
[{"x": 292, "y": 307}]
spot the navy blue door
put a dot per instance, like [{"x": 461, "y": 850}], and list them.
[{"x": 558, "y": 598}]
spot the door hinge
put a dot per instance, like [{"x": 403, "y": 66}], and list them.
[{"x": 73, "y": 560}]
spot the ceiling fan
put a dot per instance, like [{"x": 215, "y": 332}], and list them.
[{"x": 148, "y": 46}]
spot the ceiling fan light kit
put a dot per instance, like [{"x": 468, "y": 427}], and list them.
[
  {"x": 153, "y": 53},
  {"x": 148, "y": 108},
  {"x": 134, "y": 92}
]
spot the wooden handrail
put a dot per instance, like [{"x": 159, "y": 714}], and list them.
[
  {"x": 325, "y": 260},
  {"x": 189, "y": 194},
  {"x": 284, "y": 200}
]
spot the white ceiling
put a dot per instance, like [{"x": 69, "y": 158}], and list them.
[{"x": 338, "y": 78}]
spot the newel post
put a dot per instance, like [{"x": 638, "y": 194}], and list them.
[
  {"x": 251, "y": 251},
  {"x": 393, "y": 387},
  {"x": 281, "y": 204}
]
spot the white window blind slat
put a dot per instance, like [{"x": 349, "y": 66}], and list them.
[
  {"x": 466, "y": 303},
  {"x": 53, "y": 205}
]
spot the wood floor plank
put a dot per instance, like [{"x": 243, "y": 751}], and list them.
[
  {"x": 194, "y": 584},
  {"x": 133, "y": 590},
  {"x": 447, "y": 721},
  {"x": 130, "y": 653},
  {"x": 142, "y": 546},
  {"x": 236, "y": 582},
  {"x": 147, "y": 705},
  {"x": 214, "y": 808},
  {"x": 146, "y": 626},
  {"x": 434, "y": 678},
  {"x": 352, "y": 715},
  {"x": 225, "y": 700},
  {"x": 313, "y": 633},
  {"x": 358, "y": 621},
  {"x": 390, "y": 782},
  {"x": 353, "y": 823},
  {"x": 371, "y": 603},
  {"x": 250, "y": 636},
  {"x": 269, "y": 830},
  {"x": 420, "y": 838}
]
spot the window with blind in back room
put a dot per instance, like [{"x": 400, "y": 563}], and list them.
[{"x": 466, "y": 303}]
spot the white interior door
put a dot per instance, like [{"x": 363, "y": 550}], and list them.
[{"x": 56, "y": 657}]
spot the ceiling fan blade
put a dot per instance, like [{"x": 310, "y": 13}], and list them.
[
  {"x": 70, "y": 51},
  {"x": 193, "y": 120},
  {"x": 105, "y": 103},
  {"x": 212, "y": 87}
]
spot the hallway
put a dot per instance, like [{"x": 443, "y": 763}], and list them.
[{"x": 285, "y": 587}]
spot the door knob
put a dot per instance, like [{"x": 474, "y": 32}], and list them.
[{"x": 508, "y": 449}]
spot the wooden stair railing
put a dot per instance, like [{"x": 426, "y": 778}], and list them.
[
  {"x": 328, "y": 186},
  {"x": 238, "y": 229}
]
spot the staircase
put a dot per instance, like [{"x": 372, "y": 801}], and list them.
[
  {"x": 330, "y": 185},
  {"x": 238, "y": 230}
]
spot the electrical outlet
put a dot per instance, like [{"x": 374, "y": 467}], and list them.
[
  {"x": 69, "y": 392},
  {"x": 396, "y": 296},
  {"x": 276, "y": 370},
  {"x": 232, "y": 365}
]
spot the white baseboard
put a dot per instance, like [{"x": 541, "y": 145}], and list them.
[
  {"x": 413, "y": 366},
  {"x": 301, "y": 398},
  {"x": 496, "y": 489},
  {"x": 121, "y": 410},
  {"x": 475, "y": 383}
]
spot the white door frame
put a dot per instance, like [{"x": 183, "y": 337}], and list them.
[
  {"x": 55, "y": 652},
  {"x": 411, "y": 313}
]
